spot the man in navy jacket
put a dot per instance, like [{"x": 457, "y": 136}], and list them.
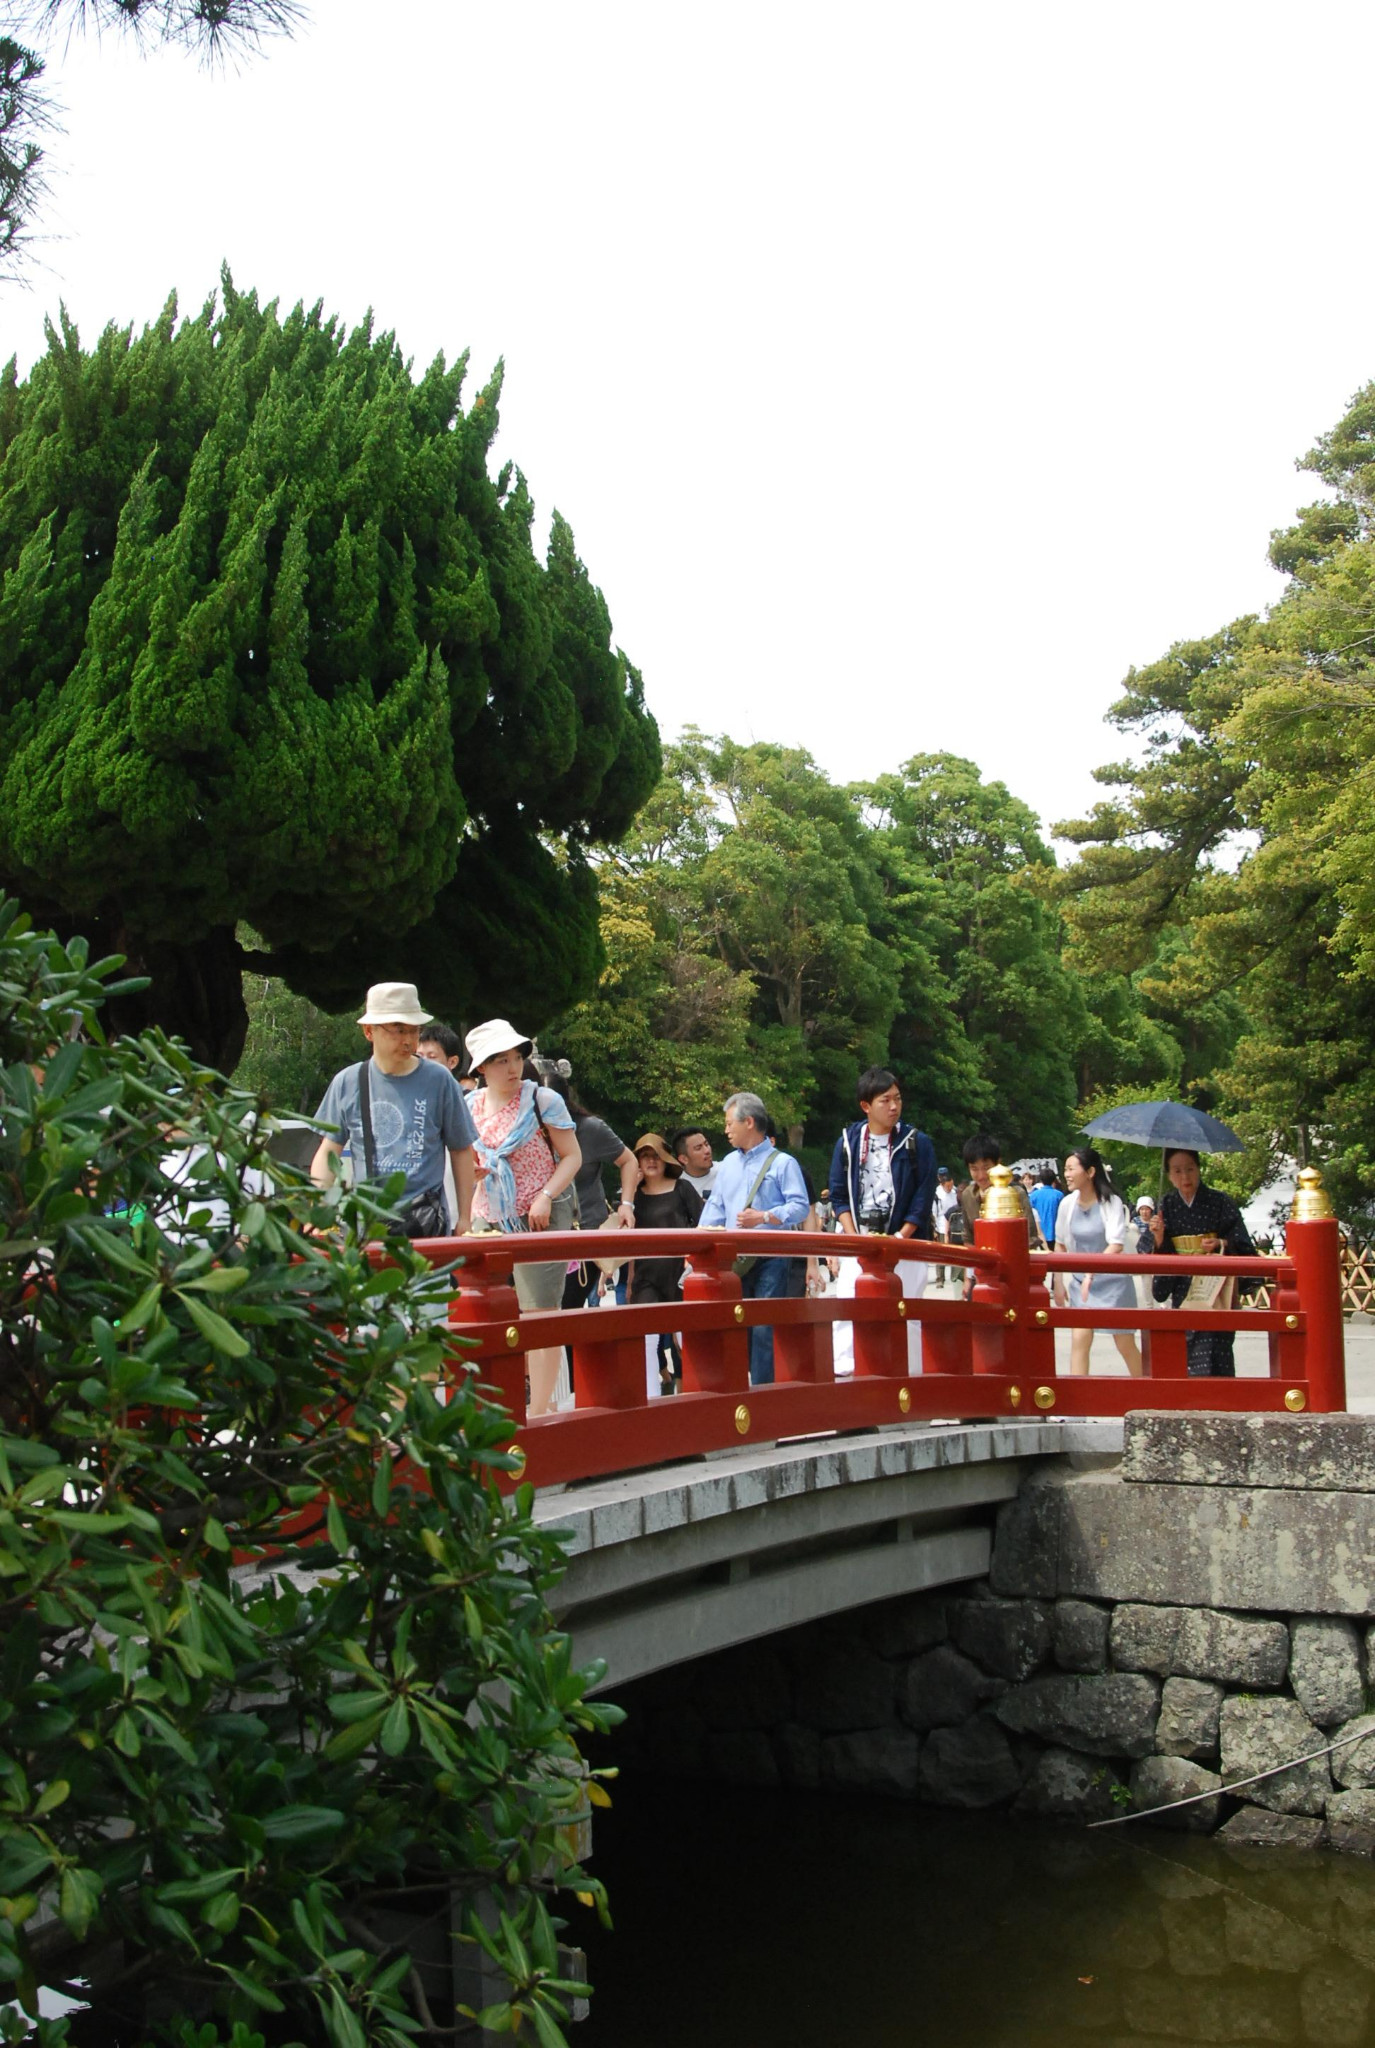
[{"x": 883, "y": 1182}]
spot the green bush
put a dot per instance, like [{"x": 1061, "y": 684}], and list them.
[{"x": 276, "y": 1654}]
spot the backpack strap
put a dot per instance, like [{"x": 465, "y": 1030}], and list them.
[{"x": 365, "y": 1114}]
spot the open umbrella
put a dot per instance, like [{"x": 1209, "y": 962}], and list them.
[{"x": 1164, "y": 1124}]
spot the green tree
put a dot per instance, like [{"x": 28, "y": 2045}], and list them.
[
  {"x": 1234, "y": 867},
  {"x": 276, "y": 1650},
  {"x": 276, "y": 648},
  {"x": 988, "y": 1021}
]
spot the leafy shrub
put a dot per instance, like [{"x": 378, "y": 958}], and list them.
[{"x": 276, "y": 1650}]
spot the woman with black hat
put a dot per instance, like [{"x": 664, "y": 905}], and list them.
[{"x": 663, "y": 1201}]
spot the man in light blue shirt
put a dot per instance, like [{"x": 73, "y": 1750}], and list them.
[{"x": 757, "y": 1188}]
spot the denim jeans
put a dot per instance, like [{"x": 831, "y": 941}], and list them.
[{"x": 766, "y": 1280}]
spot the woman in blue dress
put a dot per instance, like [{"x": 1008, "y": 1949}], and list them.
[{"x": 1093, "y": 1219}]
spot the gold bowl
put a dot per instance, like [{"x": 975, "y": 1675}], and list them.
[{"x": 1188, "y": 1247}]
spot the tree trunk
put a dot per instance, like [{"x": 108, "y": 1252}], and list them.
[{"x": 195, "y": 991}]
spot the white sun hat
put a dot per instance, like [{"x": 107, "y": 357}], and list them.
[
  {"x": 485, "y": 1041},
  {"x": 394, "y": 1002}
]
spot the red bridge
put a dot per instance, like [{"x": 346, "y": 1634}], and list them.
[{"x": 990, "y": 1356}]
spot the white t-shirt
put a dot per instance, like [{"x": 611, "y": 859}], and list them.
[
  {"x": 702, "y": 1182},
  {"x": 875, "y": 1175}
]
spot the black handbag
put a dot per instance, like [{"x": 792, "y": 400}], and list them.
[{"x": 426, "y": 1214}]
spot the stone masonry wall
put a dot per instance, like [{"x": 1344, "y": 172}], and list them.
[{"x": 1107, "y": 1665}]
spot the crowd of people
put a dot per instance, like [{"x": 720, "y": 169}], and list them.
[{"x": 490, "y": 1136}]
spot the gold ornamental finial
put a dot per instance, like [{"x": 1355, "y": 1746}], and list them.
[
  {"x": 1000, "y": 1203},
  {"x": 1312, "y": 1203}
]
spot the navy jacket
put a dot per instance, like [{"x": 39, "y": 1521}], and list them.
[{"x": 914, "y": 1176}]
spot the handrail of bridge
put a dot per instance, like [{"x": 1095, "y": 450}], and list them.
[{"x": 990, "y": 1355}]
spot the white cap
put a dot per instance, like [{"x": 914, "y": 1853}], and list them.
[
  {"x": 485, "y": 1041},
  {"x": 394, "y": 1002},
  {"x": 1146, "y": 1202}
]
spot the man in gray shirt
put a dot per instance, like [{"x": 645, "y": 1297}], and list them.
[{"x": 418, "y": 1113}]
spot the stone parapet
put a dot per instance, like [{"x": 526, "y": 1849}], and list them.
[{"x": 1305, "y": 1453}]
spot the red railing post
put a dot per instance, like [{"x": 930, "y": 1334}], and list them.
[
  {"x": 880, "y": 1348},
  {"x": 487, "y": 1295},
  {"x": 715, "y": 1361},
  {"x": 1313, "y": 1242}
]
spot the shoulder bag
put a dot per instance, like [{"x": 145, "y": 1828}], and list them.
[{"x": 749, "y": 1260}]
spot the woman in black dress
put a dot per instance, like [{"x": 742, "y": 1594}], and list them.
[
  {"x": 1192, "y": 1209},
  {"x": 664, "y": 1202}
]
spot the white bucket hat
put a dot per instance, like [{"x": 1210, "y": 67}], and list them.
[
  {"x": 394, "y": 1002},
  {"x": 485, "y": 1041}
]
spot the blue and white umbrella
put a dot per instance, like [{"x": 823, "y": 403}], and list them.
[{"x": 1164, "y": 1125}]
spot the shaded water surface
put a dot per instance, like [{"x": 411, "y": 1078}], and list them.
[{"x": 750, "y": 1919}]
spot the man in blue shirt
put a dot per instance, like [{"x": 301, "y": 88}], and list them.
[
  {"x": 757, "y": 1188},
  {"x": 1045, "y": 1200}
]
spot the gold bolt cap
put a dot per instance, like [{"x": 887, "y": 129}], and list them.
[
  {"x": 904, "y": 1398},
  {"x": 518, "y": 1453},
  {"x": 1011, "y": 1316},
  {"x": 1014, "y": 1395},
  {"x": 742, "y": 1419},
  {"x": 739, "y": 1313},
  {"x": 902, "y": 1308},
  {"x": 1312, "y": 1203},
  {"x": 1042, "y": 1318},
  {"x": 1291, "y": 1322},
  {"x": 1295, "y": 1400},
  {"x": 1044, "y": 1397},
  {"x": 512, "y": 1336}
]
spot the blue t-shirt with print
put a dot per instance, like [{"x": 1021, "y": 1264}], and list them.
[{"x": 416, "y": 1119}]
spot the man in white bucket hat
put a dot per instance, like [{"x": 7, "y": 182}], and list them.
[{"x": 401, "y": 1114}]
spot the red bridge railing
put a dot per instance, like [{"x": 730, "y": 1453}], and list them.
[{"x": 990, "y": 1356}]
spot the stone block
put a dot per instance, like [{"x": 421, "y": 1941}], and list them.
[
  {"x": 1094, "y": 1536},
  {"x": 1079, "y": 1632},
  {"x": 845, "y": 1685},
  {"x": 741, "y": 1756},
  {"x": 906, "y": 1627},
  {"x": 1259, "y": 1938},
  {"x": 1160, "y": 1780},
  {"x": 1325, "y": 1669},
  {"x": 882, "y": 1760},
  {"x": 1066, "y": 1786},
  {"x": 1255, "y": 1827},
  {"x": 1257, "y": 1734},
  {"x": 799, "y": 1756},
  {"x": 1111, "y": 1715},
  {"x": 1009, "y": 1638},
  {"x": 970, "y": 1766},
  {"x": 1200, "y": 1642},
  {"x": 1188, "y": 1724},
  {"x": 1353, "y": 1765},
  {"x": 1315, "y": 1453},
  {"x": 1185, "y": 2009},
  {"x": 1334, "y": 2002},
  {"x": 943, "y": 1688},
  {"x": 1351, "y": 1823}
]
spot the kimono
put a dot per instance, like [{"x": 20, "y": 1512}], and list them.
[{"x": 1212, "y": 1353}]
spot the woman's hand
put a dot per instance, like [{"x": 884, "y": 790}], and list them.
[
  {"x": 540, "y": 1210},
  {"x": 1212, "y": 1244},
  {"x": 1157, "y": 1229}
]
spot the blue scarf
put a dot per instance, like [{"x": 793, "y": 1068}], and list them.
[{"x": 499, "y": 1188}]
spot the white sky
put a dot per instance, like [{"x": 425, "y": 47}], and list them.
[{"x": 906, "y": 372}]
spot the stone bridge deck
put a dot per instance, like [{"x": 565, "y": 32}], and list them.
[{"x": 671, "y": 1563}]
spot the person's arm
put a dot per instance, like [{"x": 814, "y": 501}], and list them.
[
  {"x": 924, "y": 1188},
  {"x": 465, "y": 1180},
  {"x": 713, "y": 1216},
  {"x": 789, "y": 1205},
  {"x": 839, "y": 1185},
  {"x": 567, "y": 1161},
  {"x": 624, "y": 1163}
]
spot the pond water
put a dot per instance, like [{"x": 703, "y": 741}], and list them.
[{"x": 751, "y": 1919}]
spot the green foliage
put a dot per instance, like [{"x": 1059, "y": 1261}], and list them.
[
  {"x": 765, "y": 929},
  {"x": 1234, "y": 869},
  {"x": 275, "y": 648},
  {"x": 293, "y": 1051},
  {"x": 276, "y": 1649}
]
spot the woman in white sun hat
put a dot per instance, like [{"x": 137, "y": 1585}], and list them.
[{"x": 527, "y": 1146}]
